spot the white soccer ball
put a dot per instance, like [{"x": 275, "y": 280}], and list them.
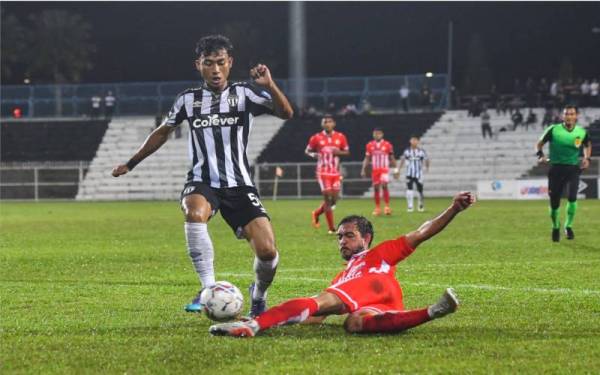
[{"x": 222, "y": 301}]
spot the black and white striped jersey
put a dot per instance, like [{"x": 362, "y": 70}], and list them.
[
  {"x": 219, "y": 127},
  {"x": 414, "y": 157}
]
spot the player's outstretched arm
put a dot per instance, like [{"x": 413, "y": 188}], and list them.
[
  {"x": 430, "y": 228},
  {"x": 281, "y": 105},
  {"x": 154, "y": 141}
]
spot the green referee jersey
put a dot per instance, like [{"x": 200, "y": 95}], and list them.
[{"x": 565, "y": 145}]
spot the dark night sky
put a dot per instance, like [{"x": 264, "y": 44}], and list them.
[{"x": 154, "y": 41}]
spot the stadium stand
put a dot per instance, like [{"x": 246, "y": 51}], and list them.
[
  {"x": 51, "y": 139},
  {"x": 46, "y": 158},
  {"x": 160, "y": 176},
  {"x": 460, "y": 156}
]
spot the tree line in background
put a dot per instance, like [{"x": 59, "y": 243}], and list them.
[{"x": 53, "y": 46}]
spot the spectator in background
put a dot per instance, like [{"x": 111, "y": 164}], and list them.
[
  {"x": 531, "y": 119},
  {"x": 404, "y": 92},
  {"x": 594, "y": 98},
  {"x": 366, "y": 108},
  {"x": 425, "y": 96},
  {"x": 518, "y": 88},
  {"x": 530, "y": 93},
  {"x": 109, "y": 105},
  {"x": 96, "y": 101},
  {"x": 542, "y": 92},
  {"x": 494, "y": 98},
  {"x": 554, "y": 93},
  {"x": 517, "y": 118},
  {"x": 474, "y": 107},
  {"x": 548, "y": 117},
  {"x": 502, "y": 106},
  {"x": 486, "y": 127},
  {"x": 585, "y": 93}
]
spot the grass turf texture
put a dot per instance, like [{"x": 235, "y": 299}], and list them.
[{"x": 100, "y": 288}]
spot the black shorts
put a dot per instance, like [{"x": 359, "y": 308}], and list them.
[
  {"x": 238, "y": 205},
  {"x": 561, "y": 176},
  {"x": 413, "y": 180}
]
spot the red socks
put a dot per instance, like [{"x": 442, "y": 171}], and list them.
[
  {"x": 394, "y": 321},
  {"x": 293, "y": 311},
  {"x": 329, "y": 216},
  {"x": 321, "y": 209},
  {"x": 377, "y": 199},
  {"x": 386, "y": 197}
]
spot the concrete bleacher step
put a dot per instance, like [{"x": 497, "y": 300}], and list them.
[{"x": 162, "y": 175}]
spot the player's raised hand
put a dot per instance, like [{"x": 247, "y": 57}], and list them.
[
  {"x": 261, "y": 75},
  {"x": 119, "y": 170},
  {"x": 463, "y": 200}
]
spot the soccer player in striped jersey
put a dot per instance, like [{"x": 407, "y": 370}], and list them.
[
  {"x": 367, "y": 289},
  {"x": 327, "y": 146},
  {"x": 414, "y": 157},
  {"x": 220, "y": 114},
  {"x": 380, "y": 154}
]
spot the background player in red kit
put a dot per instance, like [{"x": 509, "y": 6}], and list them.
[
  {"x": 380, "y": 154},
  {"x": 327, "y": 146},
  {"x": 367, "y": 290}
]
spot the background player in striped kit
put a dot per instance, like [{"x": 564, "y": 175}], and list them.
[
  {"x": 380, "y": 154},
  {"x": 220, "y": 115},
  {"x": 415, "y": 157},
  {"x": 327, "y": 146}
]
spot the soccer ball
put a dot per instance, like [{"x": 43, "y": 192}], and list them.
[{"x": 222, "y": 301}]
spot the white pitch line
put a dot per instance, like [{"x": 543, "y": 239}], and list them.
[{"x": 585, "y": 292}]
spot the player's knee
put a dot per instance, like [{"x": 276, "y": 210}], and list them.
[
  {"x": 265, "y": 248},
  {"x": 195, "y": 215},
  {"x": 353, "y": 323}
]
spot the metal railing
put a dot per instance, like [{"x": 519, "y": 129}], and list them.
[
  {"x": 41, "y": 180},
  {"x": 154, "y": 98}
]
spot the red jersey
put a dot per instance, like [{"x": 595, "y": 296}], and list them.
[
  {"x": 369, "y": 278},
  {"x": 324, "y": 145},
  {"x": 380, "y": 153}
]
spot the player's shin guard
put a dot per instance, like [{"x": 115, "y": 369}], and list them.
[
  {"x": 329, "y": 216},
  {"x": 376, "y": 196},
  {"x": 394, "y": 321},
  {"x": 386, "y": 196},
  {"x": 555, "y": 217},
  {"x": 571, "y": 209},
  {"x": 409, "y": 198},
  {"x": 200, "y": 249},
  {"x": 265, "y": 272},
  {"x": 290, "y": 312}
]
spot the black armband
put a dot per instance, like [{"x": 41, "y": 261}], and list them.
[
  {"x": 540, "y": 154},
  {"x": 131, "y": 164}
]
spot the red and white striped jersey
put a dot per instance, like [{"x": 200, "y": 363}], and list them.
[
  {"x": 380, "y": 153},
  {"x": 324, "y": 144}
]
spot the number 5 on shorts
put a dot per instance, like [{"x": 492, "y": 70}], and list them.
[{"x": 254, "y": 199}]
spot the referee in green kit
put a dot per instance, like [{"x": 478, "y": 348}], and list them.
[{"x": 566, "y": 140}]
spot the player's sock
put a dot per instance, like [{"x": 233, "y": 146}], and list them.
[
  {"x": 386, "y": 197},
  {"x": 409, "y": 198},
  {"x": 265, "y": 272},
  {"x": 571, "y": 209},
  {"x": 293, "y": 311},
  {"x": 200, "y": 249},
  {"x": 320, "y": 210},
  {"x": 394, "y": 321},
  {"x": 377, "y": 198},
  {"x": 555, "y": 216},
  {"x": 420, "y": 198},
  {"x": 329, "y": 216}
]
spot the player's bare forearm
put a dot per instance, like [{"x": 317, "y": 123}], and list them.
[
  {"x": 432, "y": 227},
  {"x": 152, "y": 143},
  {"x": 310, "y": 152},
  {"x": 281, "y": 105},
  {"x": 365, "y": 163},
  {"x": 341, "y": 152},
  {"x": 393, "y": 162},
  {"x": 315, "y": 319}
]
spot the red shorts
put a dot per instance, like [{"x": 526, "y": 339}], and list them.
[
  {"x": 376, "y": 292},
  {"x": 380, "y": 176},
  {"x": 329, "y": 182}
]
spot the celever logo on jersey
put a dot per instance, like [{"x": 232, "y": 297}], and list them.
[{"x": 206, "y": 121}]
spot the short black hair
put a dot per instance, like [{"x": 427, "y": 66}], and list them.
[
  {"x": 378, "y": 130},
  {"x": 328, "y": 115},
  {"x": 363, "y": 225},
  {"x": 569, "y": 106},
  {"x": 213, "y": 43}
]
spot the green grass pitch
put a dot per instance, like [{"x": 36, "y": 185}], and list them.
[{"x": 100, "y": 288}]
